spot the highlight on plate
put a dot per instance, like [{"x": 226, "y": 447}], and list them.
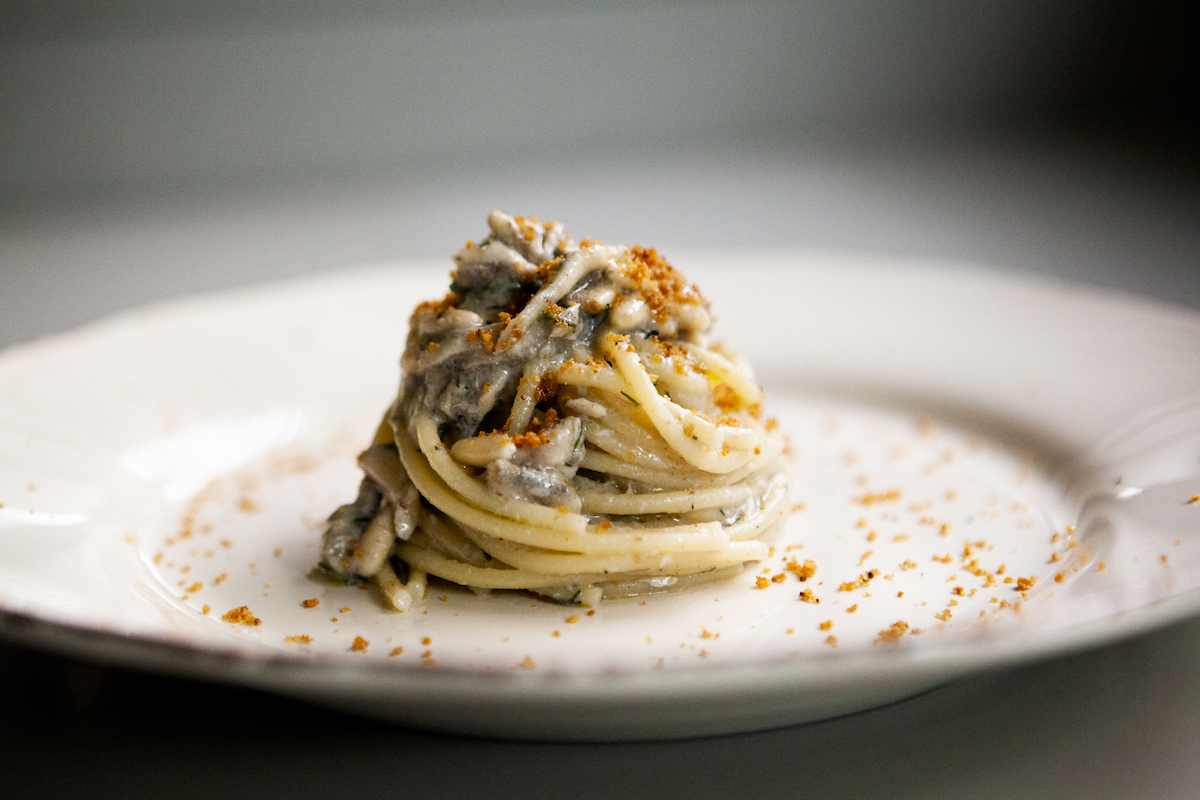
[{"x": 565, "y": 427}]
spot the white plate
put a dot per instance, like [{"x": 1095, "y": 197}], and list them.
[{"x": 165, "y": 467}]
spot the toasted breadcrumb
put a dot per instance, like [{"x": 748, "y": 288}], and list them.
[
  {"x": 240, "y": 615},
  {"x": 725, "y": 397},
  {"x": 861, "y": 581},
  {"x": 360, "y": 645},
  {"x": 871, "y": 498},
  {"x": 311, "y": 603},
  {"x": 803, "y": 571},
  {"x": 301, "y": 639},
  {"x": 826, "y": 625},
  {"x": 893, "y": 633}
]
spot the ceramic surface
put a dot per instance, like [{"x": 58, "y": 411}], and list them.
[{"x": 986, "y": 470}]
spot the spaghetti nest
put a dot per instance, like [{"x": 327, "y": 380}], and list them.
[{"x": 563, "y": 427}]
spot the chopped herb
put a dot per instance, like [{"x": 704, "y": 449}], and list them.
[
  {"x": 635, "y": 402},
  {"x": 573, "y": 600},
  {"x": 458, "y": 288}
]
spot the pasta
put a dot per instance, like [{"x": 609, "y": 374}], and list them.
[{"x": 563, "y": 427}]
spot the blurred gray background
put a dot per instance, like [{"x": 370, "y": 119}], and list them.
[
  {"x": 153, "y": 148},
  {"x": 149, "y": 148},
  {"x": 150, "y": 95}
]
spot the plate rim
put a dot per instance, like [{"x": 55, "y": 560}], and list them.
[{"x": 290, "y": 675}]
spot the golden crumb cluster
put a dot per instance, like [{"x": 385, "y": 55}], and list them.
[
  {"x": 894, "y": 632},
  {"x": 240, "y": 616},
  {"x": 658, "y": 282}
]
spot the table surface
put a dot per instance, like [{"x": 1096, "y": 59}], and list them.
[{"x": 1119, "y": 721}]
